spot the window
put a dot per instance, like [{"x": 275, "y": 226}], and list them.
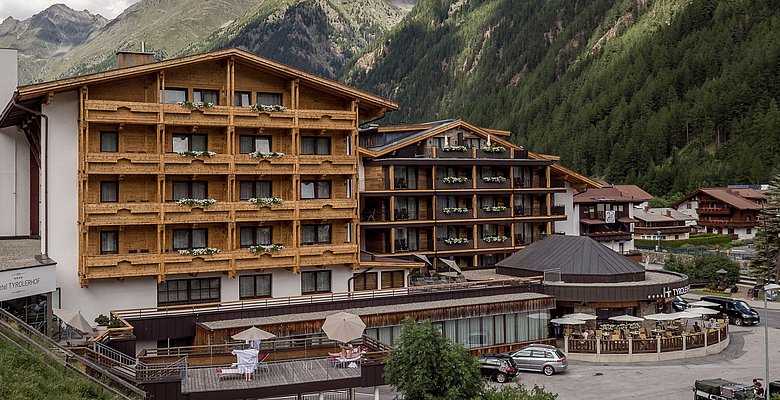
[
  {"x": 190, "y": 238},
  {"x": 489, "y": 230},
  {"x": 205, "y": 96},
  {"x": 471, "y": 143},
  {"x": 406, "y": 239},
  {"x": 365, "y": 281},
  {"x": 189, "y": 142},
  {"x": 405, "y": 208},
  {"x": 748, "y": 231},
  {"x": 257, "y": 189},
  {"x": 241, "y": 99},
  {"x": 109, "y": 141},
  {"x": 109, "y": 192},
  {"x": 109, "y": 242},
  {"x": 188, "y": 291},
  {"x": 688, "y": 206},
  {"x": 405, "y": 177},
  {"x": 348, "y": 229},
  {"x": 315, "y": 282},
  {"x": 315, "y": 145},
  {"x": 392, "y": 279},
  {"x": 348, "y": 145},
  {"x": 348, "y": 185},
  {"x": 248, "y": 144},
  {"x": 190, "y": 190},
  {"x": 315, "y": 189},
  {"x": 254, "y": 286},
  {"x": 315, "y": 234},
  {"x": 731, "y": 231},
  {"x": 175, "y": 95},
  {"x": 438, "y": 142},
  {"x": 254, "y": 235},
  {"x": 269, "y": 99}
]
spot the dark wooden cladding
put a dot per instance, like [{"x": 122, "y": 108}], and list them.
[
  {"x": 204, "y": 336},
  {"x": 175, "y": 326},
  {"x": 618, "y": 293}
]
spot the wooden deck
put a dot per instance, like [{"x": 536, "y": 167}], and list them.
[{"x": 278, "y": 374}]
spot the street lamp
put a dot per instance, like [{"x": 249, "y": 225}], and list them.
[
  {"x": 658, "y": 236},
  {"x": 767, "y": 289}
]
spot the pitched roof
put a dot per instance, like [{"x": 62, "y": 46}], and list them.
[
  {"x": 662, "y": 215},
  {"x": 578, "y": 258},
  {"x": 731, "y": 197},
  {"x": 608, "y": 194},
  {"x": 40, "y": 89},
  {"x": 634, "y": 191}
]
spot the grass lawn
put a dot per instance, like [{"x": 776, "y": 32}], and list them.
[
  {"x": 25, "y": 376},
  {"x": 701, "y": 292}
]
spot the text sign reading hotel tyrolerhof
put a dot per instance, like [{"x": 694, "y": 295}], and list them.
[{"x": 25, "y": 282}]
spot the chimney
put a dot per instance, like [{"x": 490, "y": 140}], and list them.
[
  {"x": 126, "y": 59},
  {"x": 668, "y": 213}
]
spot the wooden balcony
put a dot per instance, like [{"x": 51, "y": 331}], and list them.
[
  {"x": 121, "y": 265},
  {"x": 481, "y": 184},
  {"x": 244, "y": 117},
  {"x": 328, "y": 254},
  {"x": 326, "y": 119},
  {"x": 494, "y": 214},
  {"x": 482, "y": 244},
  {"x": 246, "y": 211},
  {"x": 123, "y": 163},
  {"x": 176, "y": 263},
  {"x": 328, "y": 209},
  {"x": 327, "y": 164},
  {"x": 184, "y": 214},
  {"x": 184, "y": 165},
  {"x": 652, "y": 230},
  {"x": 104, "y": 111},
  {"x": 442, "y": 246},
  {"x": 440, "y": 214},
  {"x": 245, "y": 260},
  {"x": 713, "y": 211},
  {"x": 728, "y": 223},
  {"x": 441, "y": 185},
  {"x": 264, "y": 166},
  {"x": 106, "y": 214},
  {"x": 175, "y": 114},
  {"x": 609, "y": 236}
]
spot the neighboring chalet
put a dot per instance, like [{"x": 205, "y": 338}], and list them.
[
  {"x": 662, "y": 223},
  {"x": 606, "y": 215},
  {"x": 448, "y": 189},
  {"x": 724, "y": 211}
]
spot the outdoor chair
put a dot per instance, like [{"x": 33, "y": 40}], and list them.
[
  {"x": 262, "y": 363},
  {"x": 231, "y": 372}
]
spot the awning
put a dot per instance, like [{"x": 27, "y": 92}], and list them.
[
  {"x": 627, "y": 220},
  {"x": 452, "y": 264},
  {"x": 592, "y": 221}
]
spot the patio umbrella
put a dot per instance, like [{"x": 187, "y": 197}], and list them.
[
  {"x": 567, "y": 321},
  {"x": 252, "y": 334},
  {"x": 626, "y": 318},
  {"x": 661, "y": 317},
  {"x": 685, "y": 314},
  {"x": 343, "y": 327},
  {"x": 73, "y": 319},
  {"x": 581, "y": 316},
  {"x": 702, "y": 303},
  {"x": 702, "y": 311},
  {"x": 422, "y": 258},
  {"x": 452, "y": 264}
]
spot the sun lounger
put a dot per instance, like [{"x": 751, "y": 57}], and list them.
[{"x": 229, "y": 372}]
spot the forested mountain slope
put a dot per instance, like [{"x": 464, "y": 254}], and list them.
[{"x": 667, "y": 94}]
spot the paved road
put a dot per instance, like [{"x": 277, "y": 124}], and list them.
[{"x": 741, "y": 361}]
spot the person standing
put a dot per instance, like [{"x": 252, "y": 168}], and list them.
[{"x": 758, "y": 389}]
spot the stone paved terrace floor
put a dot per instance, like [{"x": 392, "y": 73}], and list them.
[{"x": 279, "y": 373}]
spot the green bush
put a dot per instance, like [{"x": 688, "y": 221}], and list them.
[
  {"x": 703, "y": 267},
  {"x": 698, "y": 240}
]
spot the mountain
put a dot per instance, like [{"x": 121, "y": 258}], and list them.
[
  {"x": 668, "y": 94},
  {"x": 47, "y": 35}
]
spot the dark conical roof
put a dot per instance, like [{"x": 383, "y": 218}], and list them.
[{"x": 578, "y": 258}]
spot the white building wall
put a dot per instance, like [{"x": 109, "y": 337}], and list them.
[
  {"x": 572, "y": 224},
  {"x": 689, "y": 207}
]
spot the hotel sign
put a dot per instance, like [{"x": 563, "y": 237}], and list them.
[
  {"x": 18, "y": 283},
  {"x": 668, "y": 292},
  {"x": 609, "y": 216}
]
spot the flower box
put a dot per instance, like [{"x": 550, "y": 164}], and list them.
[
  {"x": 273, "y": 154},
  {"x": 454, "y": 148},
  {"x": 266, "y": 248},
  {"x": 195, "y": 202},
  {"x": 494, "y": 149},
  {"x": 494, "y": 209},
  {"x": 203, "y": 251},
  {"x": 455, "y": 179},
  {"x": 456, "y": 240},
  {"x": 493, "y": 179},
  {"x": 455, "y": 210},
  {"x": 495, "y": 239},
  {"x": 266, "y": 108},
  {"x": 196, "y": 153},
  {"x": 195, "y": 105},
  {"x": 266, "y": 201}
]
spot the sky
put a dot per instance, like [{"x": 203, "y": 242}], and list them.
[{"x": 23, "y": 9}]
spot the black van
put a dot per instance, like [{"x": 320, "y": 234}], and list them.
[{"x": 737, "y": 311}]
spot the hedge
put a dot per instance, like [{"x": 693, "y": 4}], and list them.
[{"x": 698, "y": 240}]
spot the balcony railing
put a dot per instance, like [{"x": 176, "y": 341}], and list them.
[
  {"x": 609, "y": 236},
  {"x": 713, "y": 211},
  {"x": 441, "y": 245}
]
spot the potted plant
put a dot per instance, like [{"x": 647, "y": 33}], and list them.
[{"x": 102, "y": 322}]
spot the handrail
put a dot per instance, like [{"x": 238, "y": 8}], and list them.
[
  {"x": 152, "y": 312},
  {"x": 115, "y": 355},
  {"x": 64, "y": 356}
]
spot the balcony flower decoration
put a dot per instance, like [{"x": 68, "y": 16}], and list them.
[
  {"x": 494, "y": 179},
  {"x": 266, "y": 248},
  {"x": 455, "y": 179},
  {"x": 198, "y": 105},
  {"x": 456, "y": 240},
  {"x": 203, "y": 251},
  {"x": 259, "y": 154},
  {"x": 610, "y": 327},
  {"x": 494, "y": 149},
  {"x": 195, "y": 202},
  {"x": 494, "y": 208},
  {"x": 495, "y": 239},
  {"x": 455, "y": 210},
  {"x": 266, "y": 201},
  {"x": 264, "y": 107},
  {"x": 454, "y": 148},
  {"x": 196, "y": 153}
]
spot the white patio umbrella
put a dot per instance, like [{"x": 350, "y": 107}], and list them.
[
  {"x": 343, "y": 327},
  {"x": 661, "y": 317},
  {"x": 702, "y": 303},
  {"x": 685, "y": 314},
  {"x": 702, "y": 311},
  {"x": 252, "y": 334},
  {"x": 581, "y": 316},
  {"x": 73, "y": 319},
  {"x": 567, "y": 321},
  {"x": 626, "y": 318}
]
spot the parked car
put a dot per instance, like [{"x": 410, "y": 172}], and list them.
[
  {"x": 719, "y": 389},
  {"x": 679, "y": 304},
  {"x": 540, "y": 358},
  {"x": 737, "y": 311},
  {"x": 498, "y": 367}
]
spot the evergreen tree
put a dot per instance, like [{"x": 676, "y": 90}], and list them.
[{"x": 767, "y": 241}]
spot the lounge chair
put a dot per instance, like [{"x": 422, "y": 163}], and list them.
[
  {"x": 229, "y": 372},
  {"x": 262, "y": 364}
]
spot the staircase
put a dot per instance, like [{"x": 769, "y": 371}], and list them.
[{"x": 133, "y": 368}]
